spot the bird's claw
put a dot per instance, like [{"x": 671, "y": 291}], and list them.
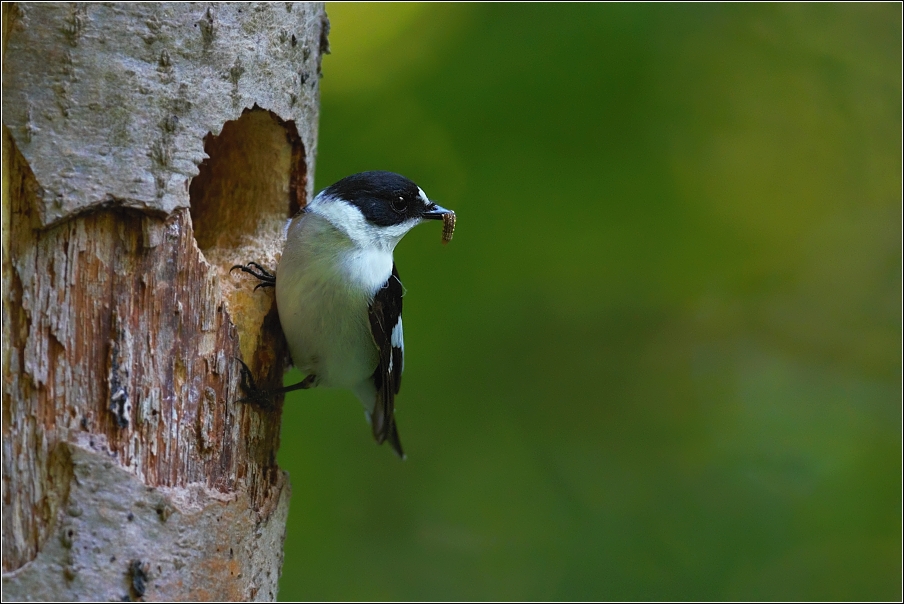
[
  {"x": 266, "y": 278},
  {"x": 253, "y": 395}
]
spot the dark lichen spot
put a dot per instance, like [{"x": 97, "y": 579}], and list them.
[
  {"x": 163, "y": 511},
  {"x": 67, "y": 536},
  {"x": 324, "y": 34},
  {"x": 138, "y": 575}
]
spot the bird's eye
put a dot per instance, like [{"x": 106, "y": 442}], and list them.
[{"x": 399, "y": 204}]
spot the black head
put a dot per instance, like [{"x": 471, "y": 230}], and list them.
[{"x": 384, "y": 198}]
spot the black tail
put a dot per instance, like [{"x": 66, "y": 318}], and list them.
[
  {"x": 382, "y": 420},
  {"x": 393, "y": 438}
]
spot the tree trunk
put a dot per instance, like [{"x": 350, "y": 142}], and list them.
[{"x": 146, "y": 149}]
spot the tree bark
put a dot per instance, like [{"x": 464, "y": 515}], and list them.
[{"x": 146, "y": 149}]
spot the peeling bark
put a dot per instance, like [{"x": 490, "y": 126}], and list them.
[
  {"x": 114, "y": 529},
  {"x": 146, "y": 149}
]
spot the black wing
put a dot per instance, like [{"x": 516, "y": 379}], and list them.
[{"x": 385, "y": 315}]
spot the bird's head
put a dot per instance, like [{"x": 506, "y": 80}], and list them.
[{"x": 375, "y": 209}]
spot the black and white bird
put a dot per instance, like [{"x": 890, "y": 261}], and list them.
[{"x": 339, "y": 295}]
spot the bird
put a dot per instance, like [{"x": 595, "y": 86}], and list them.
[{"x": 339, "y": 294}]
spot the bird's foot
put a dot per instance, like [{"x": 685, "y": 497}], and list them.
[
  {"x": 266, "y": 278},
  {"x": 253, "y": 395},
  {"x": 264, "y": 398}
]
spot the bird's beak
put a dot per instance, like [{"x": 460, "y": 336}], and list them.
[
  {"x": 447, "y": 216},
  {"x": 436, "y": 213}
]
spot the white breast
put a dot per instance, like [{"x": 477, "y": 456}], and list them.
[{"x": 324, "y": 285}]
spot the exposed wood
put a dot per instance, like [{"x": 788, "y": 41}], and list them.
[{"x": 146, "y": 149}]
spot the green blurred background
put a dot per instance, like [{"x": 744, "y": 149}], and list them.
[{"x": 661, "y": 358}]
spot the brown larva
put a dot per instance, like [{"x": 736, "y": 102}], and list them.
[{"x": 448, "y": 226}]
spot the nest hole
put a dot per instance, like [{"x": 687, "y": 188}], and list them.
[{"x": 254, "y": 178}]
